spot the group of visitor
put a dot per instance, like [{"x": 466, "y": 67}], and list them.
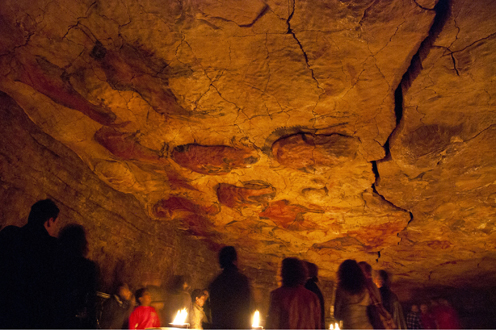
[
  {"x": 439, "y": 315},
  {"x": 47, "y": 282}
]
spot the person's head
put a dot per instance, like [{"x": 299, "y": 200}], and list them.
[
  {"x": 424, "y": 308},
  {"x": 350, "y": 277},
  {"x": 198, "y": 297},
  {"x": 366, "y": 269},
  {"x": 293, "y": 272},
  {"x": 72, "y": 239},
  {"x": 382, "y": 279},
  {"x": 443, "y": 302},
  {"x": 415, "y": 308},
  {"x": 180, "y": 283},
  {"x": 227, "y": 256},
  {"x": 313, "y": 270},
  {"x": 45, "y": 213},
  {"x": 123, "y": 292},
  {"x": 143, "y": 297}
]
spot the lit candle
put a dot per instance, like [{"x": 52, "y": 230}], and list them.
[
  {"x": 255, "y": 324},
  {"x": 180, "y": 319}
]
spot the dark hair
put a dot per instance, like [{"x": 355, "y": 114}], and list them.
[
  {"x": 383, "y": 275},
  {"x": 313, "y": 270},
  {"x": 140, "y": 293},
  {"x": 197, "y": 293},
  {"x": 293, "y": 272},
  {"x": 366, "y": 268},
  {"x": 351, "y": 277},
  {"x": 227, "y": 256},
  {"x": 42, "y": 211},
  {"x": 72, "y": 239}
]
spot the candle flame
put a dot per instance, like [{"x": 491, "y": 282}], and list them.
[
  {"x": 256, "y": 319},
  {"x": 181, "y": 317},
  {"x": 334, "y": 326}
]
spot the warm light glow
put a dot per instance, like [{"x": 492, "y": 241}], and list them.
[
  {"x": 256, "y": 320},
  {"x": 181, "y": 317},
  {"x": 334, "y": 326}
]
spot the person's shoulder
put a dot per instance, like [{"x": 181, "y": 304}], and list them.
[{"x": 9, "y": 231}]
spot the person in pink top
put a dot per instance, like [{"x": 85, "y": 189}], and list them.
[
  {"x": 144, "y": 316},
  {"x": 446, "y": 316}
]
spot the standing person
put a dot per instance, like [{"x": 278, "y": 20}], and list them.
[
  {"x": 76, "y": 295},
  {"x": 177, "y": 298},
  {"x": 413, "y": 318},
  {"x": 446, "y": 316},
  {"x": 144, "y": 316},
  {"x": 230, "y": 294},
  {"x": 292, "y": 306},
  {"x": 352, "y": 297},
  {"x": 311, "y": 284},
  {"x": 197, "y": 315},
  {"x": 426, "y": 317},
  {"x": 117, "y": 308},
  {"x": 28, "y": 277},
  {"x": 390, "y": 300}
]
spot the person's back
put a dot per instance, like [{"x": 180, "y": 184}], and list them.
[
  {"x": 230, "y": 300},
  {"x": 78, "y": 277},
  {"x": 230, "y": 295},
  {"x": 352, "y": 297},
  {"x": 294, "y": 308}
]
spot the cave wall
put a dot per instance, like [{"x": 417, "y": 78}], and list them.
[{"x": 125, "y": 243}]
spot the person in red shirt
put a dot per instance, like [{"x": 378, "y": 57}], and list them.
[{"x": 144, "y": 316}]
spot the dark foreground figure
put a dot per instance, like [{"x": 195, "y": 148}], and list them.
[
  {"x": 28, "y": 270},
  {"x": 230, "y": 294}
]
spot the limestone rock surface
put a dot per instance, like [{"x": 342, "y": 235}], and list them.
[{"x": 325, "y": 130}]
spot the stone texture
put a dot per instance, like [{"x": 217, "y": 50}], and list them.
[{"x": 324, "y": 130}]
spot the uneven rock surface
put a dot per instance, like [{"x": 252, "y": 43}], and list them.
[{"x": 325, "y": 130}]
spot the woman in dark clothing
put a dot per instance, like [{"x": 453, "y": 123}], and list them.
[
  {"x": 76, "y": 296},
  {"x": 311, "y": 285},
  {"x": 390, "y": 300}
]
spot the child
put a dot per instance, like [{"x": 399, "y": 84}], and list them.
[{"x": 144, "y": 316}]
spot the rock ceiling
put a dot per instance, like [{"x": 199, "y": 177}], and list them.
[{"x": 321, "y": 129}]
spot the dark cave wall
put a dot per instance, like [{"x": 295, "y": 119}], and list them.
[{"x": 126, "y": 244}]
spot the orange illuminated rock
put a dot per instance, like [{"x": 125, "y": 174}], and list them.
[
  {"x": 49, "y": 79},
  {"x": 285, "y": 214},
  {"x": 308, "y": 151},
  {"x": 213, "y": 159},
  {"x": 169, "y": 208},
  {"x": 251, "y": 194}
]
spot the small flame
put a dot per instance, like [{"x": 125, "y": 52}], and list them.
[
  {"x": 181, "y": 317},
  {"x": 256, "y": 320},
  {"x": 334, "y": 326}
]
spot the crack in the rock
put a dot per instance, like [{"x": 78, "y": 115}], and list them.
[
  {"x": 442, "y": 9},
  {"x": 290, "y": 31},
  {"x": 422, "y": 7},
  {"x": 454, "y": 64}
]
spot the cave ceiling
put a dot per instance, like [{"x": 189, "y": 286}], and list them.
[{"x": 325, "y": 130}]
